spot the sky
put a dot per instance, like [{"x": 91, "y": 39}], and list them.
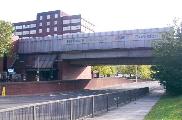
[{"x": 107, "y": 15}]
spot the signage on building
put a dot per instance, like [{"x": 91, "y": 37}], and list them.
[{"x": 147, "y": 34}]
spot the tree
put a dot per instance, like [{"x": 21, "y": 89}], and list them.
[
  {"x": 145, "y": 71},
  {"x": 104, "y": 70},
  {"x": 6, "y": 30},
  {"x": 168, "y": 56},
  {"x": 126, "y": 69}
]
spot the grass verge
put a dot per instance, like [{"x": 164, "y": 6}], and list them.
[{"x": 167, "y": 108}]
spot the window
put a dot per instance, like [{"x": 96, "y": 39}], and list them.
[
  {"x": 56, "y": 15},
  {"x": 40, "y": 24},
  {"x": 26, "y": 26},
  {"x": 32, "y": 31},
  {"x": 48, "y": 29},
  {"x": 40, "y": 18},
  {"x": 25, "y": 37},
  {"x": 25, "y": 32},
  {"x": 66, "y": 28},
  {"x": 55, "y": 28},
  {"x": 66, "y": 21},
  {"x": 75, "y": 27},
  {"x": 55, "y": 22},
  {"x": 18, "y": 27},
  {"x": 32, "y": 25},
  {"x": 18, "y": 33},
  {"x": 40, "y": 30},
  {"x": 48, "y": 23},
  {"x": 75, "y": 20},
  {"x": 48, "y": 16}
]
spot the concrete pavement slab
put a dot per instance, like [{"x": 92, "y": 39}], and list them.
[{"x": 135, "y": 110}]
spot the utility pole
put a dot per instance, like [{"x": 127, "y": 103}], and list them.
[{"x": 136, "y": 73}]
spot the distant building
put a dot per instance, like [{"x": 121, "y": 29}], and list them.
[{"x": 52, "y": 23}]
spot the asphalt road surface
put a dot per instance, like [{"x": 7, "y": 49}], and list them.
[{"x": 13, "y": 101}]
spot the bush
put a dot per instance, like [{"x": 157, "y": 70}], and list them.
[{"x": 168, "y": 60}]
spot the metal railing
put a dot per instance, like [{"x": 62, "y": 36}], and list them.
[{"x": 73, "y": 108}]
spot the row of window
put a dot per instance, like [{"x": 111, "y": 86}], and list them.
[
  {"x": 64, "y": 28},
  {"x": 64, "y": 22},
  {"x": 48, "y": 30},
  {"x": 33, "y": 37},
  {"x": 71, "y": 27},
  {"x": 71, "y": 21},
  {"x": 26, "y": 32},
  {"x": 48, "y": 16},
  {"x": 25, "y": 26},
  {"x": 48, "y": 23}
]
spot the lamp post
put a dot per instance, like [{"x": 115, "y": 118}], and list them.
[
  {"x": 136, "y": 73},
  {"x": 38, "y": 71}
]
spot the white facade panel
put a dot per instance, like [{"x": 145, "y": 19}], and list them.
[
  {"x": 66, "y": 21},
  {"x": 25, "y": 32},
  {"x": 26, "y": 26},
  {"x": 75, "y": 20},
  {"x": 32, "y": 31},
  {"x": 66, "y": 28},
  {"x": 18, "y": 27},
  {"x": 32, "y": 25},
  {"x": 75, "y": 27},
  {"x": 18, "y": 33}
]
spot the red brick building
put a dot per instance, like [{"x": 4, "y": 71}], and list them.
[{"x": 52, "y": 23}]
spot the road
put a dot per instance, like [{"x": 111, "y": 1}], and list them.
[{"x": 13, "y": 101}]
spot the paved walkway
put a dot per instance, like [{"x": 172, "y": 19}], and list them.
[{"x": 135, "y": 110}]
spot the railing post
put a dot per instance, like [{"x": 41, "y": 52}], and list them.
[
  {"x": 71, "y": 109},
  {"x": 34, "y": 112},
  {"x": 107, "y": 100},
  {"x": 117, "y": 102},
  {"x": 13, "y": 117},
  {"x": 93, "y": 105}
]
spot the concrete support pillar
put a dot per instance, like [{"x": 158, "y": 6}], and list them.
[{"x": 73, "y": 72}]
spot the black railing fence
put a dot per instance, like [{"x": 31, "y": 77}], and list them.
[{"x": 73, "y": 108}]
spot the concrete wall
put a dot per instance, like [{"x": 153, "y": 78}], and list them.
[
  {"x": 75, "y": 72},
  {"x": 97, "y": 83},
  {"x": 21, "y": 88}
]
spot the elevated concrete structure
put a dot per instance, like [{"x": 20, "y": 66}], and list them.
[
  {"x": 74, "y": 52},
  {"x": 128, "y": 39},
  {"x": 136, "y": 56}
]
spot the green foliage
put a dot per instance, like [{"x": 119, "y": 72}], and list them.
[
  {"x": 167, "y": 108},
  {"x": 104, "y": 70},
  {"x": 168, "y": 56},
  {"x": 6, "y": 30},
  {"x": 145, "y": 71},
  {"x": 126, "y": 69}
]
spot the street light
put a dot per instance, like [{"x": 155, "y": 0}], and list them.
[
  {"x": 136, "y": 73},
  {"x": 38, "y": 71}
]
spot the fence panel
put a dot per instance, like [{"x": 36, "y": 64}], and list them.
[
  {"x": 73, "y": 108},
  {"x": 100, "y": 103}
]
